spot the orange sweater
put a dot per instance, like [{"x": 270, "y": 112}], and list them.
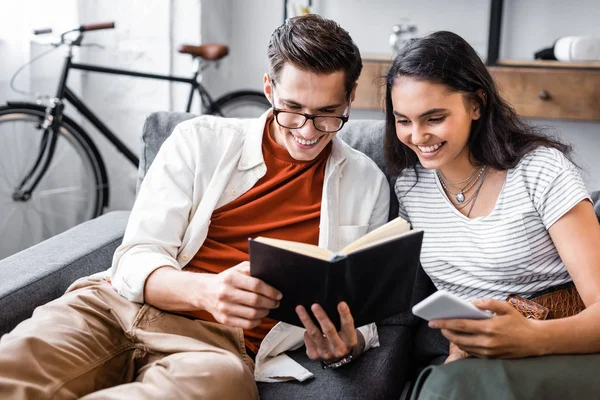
[{"x": 284, "y": 204}]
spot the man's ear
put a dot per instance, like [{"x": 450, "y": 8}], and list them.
[
  {"x": 353, "y": 93},
  {"x": 268, "y": 88}
]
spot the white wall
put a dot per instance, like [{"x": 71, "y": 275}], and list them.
[
  {"x": 18, "y": 45},
  {"x": 217, "y": 27},
  {"x": 146, "y": 38},
  {"x": 527, "y": 27}
]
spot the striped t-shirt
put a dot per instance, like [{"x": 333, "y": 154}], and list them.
[{"x": 506, "y": 252}]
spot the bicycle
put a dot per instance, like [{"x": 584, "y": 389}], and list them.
[{"x": 51, "y": 173}]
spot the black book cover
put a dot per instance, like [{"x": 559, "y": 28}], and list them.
[{"x": 376, "y": 282}]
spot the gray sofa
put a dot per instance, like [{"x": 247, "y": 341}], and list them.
[{"x": 42, "y": 273}]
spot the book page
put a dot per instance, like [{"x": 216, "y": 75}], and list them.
[
  {"x": 297, "y": 247},
  {"x": 393, "y": 229}
]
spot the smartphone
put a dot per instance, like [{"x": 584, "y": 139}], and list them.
[{"x": 445, "y": 305}]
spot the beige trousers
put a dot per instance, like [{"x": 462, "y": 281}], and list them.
[{"x": 95, "y": 344}]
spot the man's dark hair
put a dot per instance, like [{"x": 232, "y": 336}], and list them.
[
  {"x": 315, "y": 44},
  {"x": 499, "y": 138}
]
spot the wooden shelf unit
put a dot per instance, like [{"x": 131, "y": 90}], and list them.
[
  {"x": 536, "y": 89},
  {"x": 549, "y": 64}
]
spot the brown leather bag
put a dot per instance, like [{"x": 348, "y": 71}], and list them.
[{"x": 560, "y": 303}]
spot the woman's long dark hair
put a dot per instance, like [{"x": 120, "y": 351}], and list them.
[{"x": 499, "y": 138}]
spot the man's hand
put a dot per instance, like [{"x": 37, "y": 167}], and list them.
[
  {"x": 326, "y": 343},
  {"x": 237, "y": 299}
]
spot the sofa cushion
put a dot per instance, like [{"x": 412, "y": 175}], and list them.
[
  {"x": 157, "y": 128},
  {"x": 43, "y": 272}
]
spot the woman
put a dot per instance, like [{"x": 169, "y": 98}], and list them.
[{"x": 504, "y": 212}]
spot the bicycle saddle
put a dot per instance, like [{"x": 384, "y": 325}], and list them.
[{"x": 211, "y": 52}]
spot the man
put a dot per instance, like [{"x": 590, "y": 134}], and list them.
[{"x": 180, "y": 316}]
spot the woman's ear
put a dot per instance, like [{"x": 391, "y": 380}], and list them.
[{"x": 476, "y": 105}]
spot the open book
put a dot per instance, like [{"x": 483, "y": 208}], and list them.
[{"x": 374, "y": 274}]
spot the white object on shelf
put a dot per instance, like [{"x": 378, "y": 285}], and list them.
[
  {"x": 400, "y": 35},
  {"x": 577, "y": 48}
]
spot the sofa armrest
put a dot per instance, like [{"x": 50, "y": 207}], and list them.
[{"x": 43, "y": 272}]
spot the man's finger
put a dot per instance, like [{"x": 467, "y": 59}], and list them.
[
  {"x": 251, "y": 299},
  {"x": 245, "y": 312},
  {"x": 238, "y": 322},
  {"x": 327, "y": 326},
  {"x": 255, "y": 285},
  {"x": 337, "y": 348},
  {"x": 312, "y": 350},
  {"x": 347, "y": 321},
  {"x": 243, "y": 267},
  {"x": 308, "y": 323},
  {"x": 311, "y": 328}
]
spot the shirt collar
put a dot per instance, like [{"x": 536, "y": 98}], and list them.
[{"x": 252, "y": 149}]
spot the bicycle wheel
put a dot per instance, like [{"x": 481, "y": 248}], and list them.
[
  {"x": 73, "y": 189},
  {"x": 241, "y": 104}
]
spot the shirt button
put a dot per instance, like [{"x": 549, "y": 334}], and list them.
[
  {"x": 233, "y": 192},
  {"x": 184, "y": 258},
  {"x": 243, "y": 164}
]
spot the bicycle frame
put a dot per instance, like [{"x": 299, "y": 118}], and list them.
[
  {"x": 55, "y": 111},
  {"x": 68, "y": 94}
]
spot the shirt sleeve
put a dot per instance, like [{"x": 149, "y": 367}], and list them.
[
  {"x": 400, "y": 196},
  {"x": 381, "y": 210},
  {"x": 371, "y": 336},
  {"x": 158, "y": 220},
  {"x": 561, "y": 192}
]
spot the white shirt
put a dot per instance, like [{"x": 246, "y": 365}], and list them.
[
  {"x": 506, "y": 252},
  {"x": 208, "y": 162}
]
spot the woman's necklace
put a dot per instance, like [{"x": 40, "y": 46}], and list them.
[
  {"x": 473, "y": 198},
  {"x": 468, "y": 178},
  {"x": 471, "y": 181},
  {"x": 476, "y": 193}
]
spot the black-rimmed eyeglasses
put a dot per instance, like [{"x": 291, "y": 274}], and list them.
[{"x": 296, "y": 120}]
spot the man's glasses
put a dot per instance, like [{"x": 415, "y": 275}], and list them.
[{"x": 296, "y": 120}]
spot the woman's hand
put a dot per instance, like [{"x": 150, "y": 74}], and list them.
[
  {"x": 455, "y": 354},
  {"x": 326, "y": 343},
  {"x": 508, "y": 334}
]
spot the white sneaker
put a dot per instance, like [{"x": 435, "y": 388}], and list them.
[{"x": 577, "y": 48}]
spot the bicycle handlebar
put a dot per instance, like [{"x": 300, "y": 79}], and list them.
[
  {"x": 96, "y": 27},
  {"x": 42, "y": 31},
  {"x": 82, "y": 28}
]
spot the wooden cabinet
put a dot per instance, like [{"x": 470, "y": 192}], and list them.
[
  {"x": 540, "y": 89},
  {"x": 370, "y": 93},
  {"x": 556, "y": 93}
]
